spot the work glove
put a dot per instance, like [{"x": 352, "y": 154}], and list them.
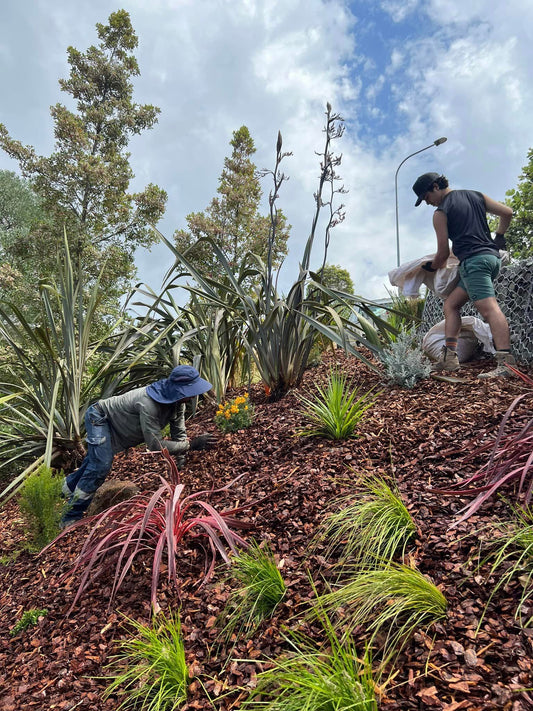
[
  {"x": 203, "y": 441},
  {"x": 499, "y": 241}
]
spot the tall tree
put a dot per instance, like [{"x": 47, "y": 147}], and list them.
[
  {"x": 519, "y": 237},
  {"x": 233, "y": 220},
  {"x": 337, "y": 278},
  {"x": 83, "y": 185},
  {"x": 20, "y": 212}
]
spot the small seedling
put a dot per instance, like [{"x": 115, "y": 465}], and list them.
[{"x": 29, "y": 619}]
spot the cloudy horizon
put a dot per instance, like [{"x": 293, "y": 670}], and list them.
[{"x": 402, "y": 74}]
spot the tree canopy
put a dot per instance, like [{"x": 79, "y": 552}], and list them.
[
  {"x": 519, "y": 237},
  {"x": 83, "y": 185},
  {"x": 233, "y": 219}
]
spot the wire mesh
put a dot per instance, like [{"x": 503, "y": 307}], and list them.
[{"x": 514, "y": 292}]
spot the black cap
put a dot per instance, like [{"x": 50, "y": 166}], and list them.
[{"x": 423, "y": 184}]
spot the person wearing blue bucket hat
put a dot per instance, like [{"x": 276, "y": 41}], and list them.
[{"x": 117, "y": 423}]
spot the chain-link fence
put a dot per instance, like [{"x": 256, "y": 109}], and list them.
[{"x": 514, "y": 292}]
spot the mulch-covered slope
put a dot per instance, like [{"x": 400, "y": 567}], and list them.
[{"x": 415, "y": 435}]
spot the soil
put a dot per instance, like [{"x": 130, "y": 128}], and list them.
[{"x": 420, "y": 437}]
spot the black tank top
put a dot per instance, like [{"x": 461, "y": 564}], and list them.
[{"x": 467, "y": 224}]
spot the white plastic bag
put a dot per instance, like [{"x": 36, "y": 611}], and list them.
[
  {"x": 475, "y": 335},
  {"x": 410, "y": 276}
]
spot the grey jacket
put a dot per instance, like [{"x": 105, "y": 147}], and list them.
[{"x": 135, "y": 418}]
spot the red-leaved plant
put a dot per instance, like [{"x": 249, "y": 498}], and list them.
[
  {"x": 156, "y": 523},
  {"x": 510, "y": 461}
]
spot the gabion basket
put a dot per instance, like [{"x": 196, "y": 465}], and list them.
[{"x": 514, "y": 292}]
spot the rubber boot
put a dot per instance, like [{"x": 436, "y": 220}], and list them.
[
  {"x": 449, "y": 361},
  {"x": 500, "y": 371}
]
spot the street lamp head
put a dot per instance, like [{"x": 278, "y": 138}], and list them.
[{"x": 440, "y": 140}]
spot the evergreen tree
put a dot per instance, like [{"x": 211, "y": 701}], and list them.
[
  {"x": 83, "y": 185},
  {"x": 233, "y": 220},
  {"x": 519, "y": 237},
  {"x": 20, "y": 210}
]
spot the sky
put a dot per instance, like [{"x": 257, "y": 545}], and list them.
[{"x": 402, "y": 73}]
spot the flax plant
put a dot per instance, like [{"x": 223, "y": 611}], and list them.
[
  {"x": 315, "y": 678},
  {"x": 278, "y": 331},
  {"x": 54, "y": 371},
  {"x": 261, "y": 589},
  {"x": 150, "y": 671},
  {"x": 335, "y": 411},
  {"x": 391, "y": 602},
  {"x": 375, "y": 527},
  {"x": 511, "y": 558}
]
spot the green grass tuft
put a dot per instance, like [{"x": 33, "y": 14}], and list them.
[
  {"x": 390, "y": 602},
  {"x": 363, "y": 532},
  {"x": 261, "y": 589},
  {"x": 312, "y": 678},
  {"x": 151, "y": 672}
]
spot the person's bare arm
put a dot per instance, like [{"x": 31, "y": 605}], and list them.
[
  {"x": 504, "y": 212},
  {"x": 440, "y": 223}
]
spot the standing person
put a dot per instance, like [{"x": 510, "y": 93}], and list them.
[
  {"x": 461, "y": 217},
  {"x": 117, "y": 423}
]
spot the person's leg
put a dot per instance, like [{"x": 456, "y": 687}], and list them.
[
  {"x": 452, "y": 311},
  {"x": 71, "y": 480},
  {"x": 493, "y": 315},
  {"x": 94, "y": 469},
  {"x": 452, "y": 327},
  {"x": 479, "y": 274}
]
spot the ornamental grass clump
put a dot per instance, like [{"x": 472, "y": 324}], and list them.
[
  {"x": 261, "y": 589},
  {"x": 391, "y": 602},
  {"x": 336, "y": 410},
  {"x": 332, "y": 676},
  {"x": 150, "y": 672},
  {"x": 376, "y": 527},
  {"x": 236, "y": 414}
]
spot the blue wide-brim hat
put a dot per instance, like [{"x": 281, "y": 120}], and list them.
[{"x": 184, "y": 381}]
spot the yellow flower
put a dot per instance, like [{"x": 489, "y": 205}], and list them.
[
  {"x": 234, "y": 409},
  {"x": 227, "y": 415},
  {"x": 246, "y": 407}
]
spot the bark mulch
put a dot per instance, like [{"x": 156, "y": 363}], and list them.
[{"x": 419, "y": 436}]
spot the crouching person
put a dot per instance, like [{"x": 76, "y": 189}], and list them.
[{"x": 123, "y": 421}]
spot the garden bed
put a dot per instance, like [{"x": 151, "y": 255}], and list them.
[{"x": 418, "y": 436}]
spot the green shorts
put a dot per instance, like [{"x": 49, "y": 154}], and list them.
[{"x": 477, "y": 275}]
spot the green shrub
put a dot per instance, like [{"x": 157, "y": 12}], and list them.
[
  {"x": 237, "y": 414},
  {"x": 29, "y": 619},
  {"x": 41, "y": 505},
  {"x": 151, "y": 671},
  {"x": 335, "y": 412},
  {"x": 261, "y": 590},
  {"x": 405, "y": 363}
]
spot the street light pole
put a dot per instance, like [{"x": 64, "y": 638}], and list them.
[{"x": 435, "y": 143}]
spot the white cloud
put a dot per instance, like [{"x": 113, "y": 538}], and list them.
[{"x": 439, "y": 68}]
